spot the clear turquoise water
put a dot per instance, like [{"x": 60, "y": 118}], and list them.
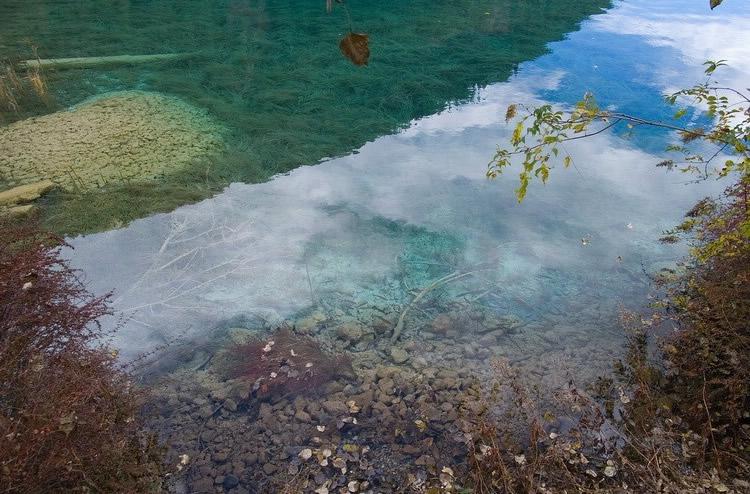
[
  {"x": 273, "y": 73},
  {"x": 408, "y": 208}
]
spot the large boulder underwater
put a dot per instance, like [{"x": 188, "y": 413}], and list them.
[{"x": 117, "y": 137}]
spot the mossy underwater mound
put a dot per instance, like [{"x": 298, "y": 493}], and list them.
[{"x": 120, "y": 137}]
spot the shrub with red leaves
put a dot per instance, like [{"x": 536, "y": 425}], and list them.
[
  {"x": 284, "y": 363},
  {"x": 68, "y": 413}
]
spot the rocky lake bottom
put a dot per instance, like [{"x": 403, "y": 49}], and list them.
[{"x": 327, "y": 402}]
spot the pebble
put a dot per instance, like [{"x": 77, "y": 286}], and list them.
[
  {"x": 203, "y": 485},
  {"x": 399, "y": 355},
  {"x": 335, "y": 408},
  {"x": 230, "y": 405},
  {"x": 350, "y": 332}
]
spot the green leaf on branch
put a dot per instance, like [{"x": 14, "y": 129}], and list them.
[
  {"x": 516, "y": 139},
  {"x": 711, "y": 66}
]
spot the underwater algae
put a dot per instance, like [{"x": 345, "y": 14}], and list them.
[{"x": 122, "y": 137}]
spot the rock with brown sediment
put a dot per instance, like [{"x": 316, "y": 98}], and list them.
[{"x": 121, "y": 137}]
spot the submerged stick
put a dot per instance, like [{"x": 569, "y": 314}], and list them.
[
  {"x": 92, "y": 62},
  {"x": 456, "y": 275}
]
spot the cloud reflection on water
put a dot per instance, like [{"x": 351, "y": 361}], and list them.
[{"x": 257, "y": 249}]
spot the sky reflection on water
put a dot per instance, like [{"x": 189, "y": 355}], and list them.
[{"x": 272, "y": 249}]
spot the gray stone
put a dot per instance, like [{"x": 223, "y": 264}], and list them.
[
  {"x": 399, "y": 355},
  {"x": 350, "y": 332},
  {"x": 335, "y": 407},
  {"x": 230, "y": 405},
  {"x": 220, "y": 456},
  {"x": 204, "y": 485},
  {"x": 230, "y": 482}
]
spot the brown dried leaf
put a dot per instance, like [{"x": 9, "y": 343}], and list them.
[
  {"x": 355, "y": 47},
  {"x": 691, "y": 135},
  {"x": 510, "y": 113}
]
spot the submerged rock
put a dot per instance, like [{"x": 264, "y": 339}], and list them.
[
  {"x": 230, "y": 482},
  {"x": 127, "y": 136},
  {"x": 399, "y": 355},
  {"x": 350, "y": 332}
]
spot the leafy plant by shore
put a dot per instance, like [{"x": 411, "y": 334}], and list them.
[{"x": 678, "y": 422}]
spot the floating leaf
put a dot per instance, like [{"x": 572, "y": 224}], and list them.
[{"x": 355, "y": 47}]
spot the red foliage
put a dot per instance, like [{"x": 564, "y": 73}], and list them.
[
  {"x": 68, "y": 415},
  {"x": 284, "y": 363}
]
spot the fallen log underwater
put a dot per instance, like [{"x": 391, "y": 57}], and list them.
[{"x": 93, "y": 62}]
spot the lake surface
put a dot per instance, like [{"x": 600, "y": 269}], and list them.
[
  {"x": 356, "y": 239},
  {"x": 272, "y": 73},
  {"x": 411, "y": 207}
]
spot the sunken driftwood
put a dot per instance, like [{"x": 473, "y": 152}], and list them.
[
  {"x": 93, "y": 62},
  {"x": 456, "y": 275},
  {"x": 25, "y": 193}
]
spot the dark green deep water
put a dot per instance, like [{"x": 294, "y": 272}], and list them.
[{"x": 272, "y": 72}]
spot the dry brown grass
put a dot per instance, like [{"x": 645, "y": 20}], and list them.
[
  {"x": 19, "y": 91},
  {"x": 68, "y": 413}
]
